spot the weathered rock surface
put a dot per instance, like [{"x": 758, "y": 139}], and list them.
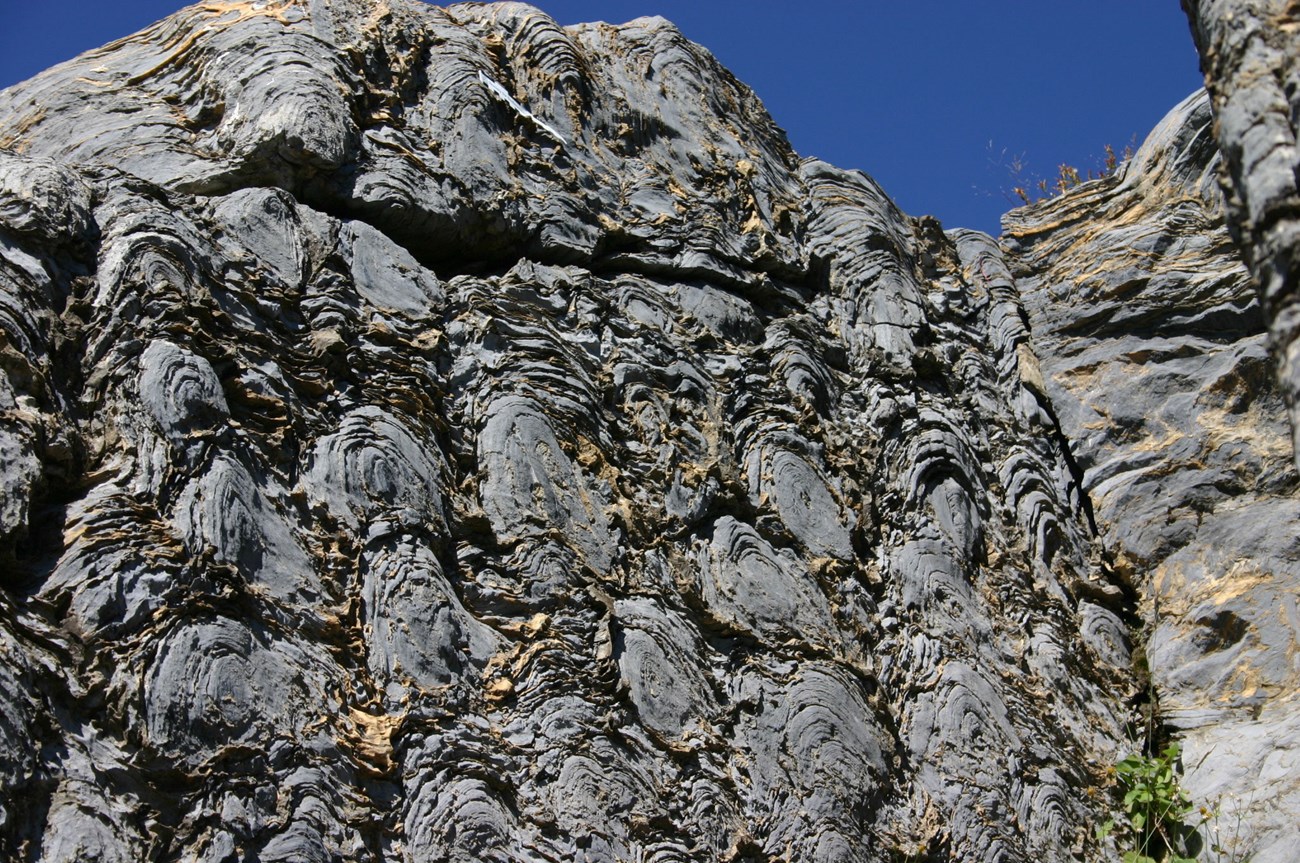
[
  {"x": 435, "y": 434},
  {"x": 1153, "y": 349},
  {"x": 1249, "y": 51}
]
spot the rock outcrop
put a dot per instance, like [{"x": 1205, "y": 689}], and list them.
[
  {"x": 436, "y": 434},
  {"x": 1248, "y": 52},
  {"x": 1154, "y": 351}
]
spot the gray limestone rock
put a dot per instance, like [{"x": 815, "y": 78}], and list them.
[
  {"x": 438, "y": 434},
  {"x": 1248, "y": 52},
  {"x": 1153, "y": 350}
]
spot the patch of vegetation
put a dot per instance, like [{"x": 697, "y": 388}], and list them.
[
  {"x": 1160, "y": 823},
  {"x": 1155, "y": 806},
  {"x": 1028, "y": 188}
]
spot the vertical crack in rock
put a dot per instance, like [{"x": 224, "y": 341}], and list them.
[
  {"x": 1155, "y": 355},
  {"x": 387, "y": 476}
]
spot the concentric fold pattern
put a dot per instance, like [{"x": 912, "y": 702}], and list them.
[{"x": 436, "y": 434}]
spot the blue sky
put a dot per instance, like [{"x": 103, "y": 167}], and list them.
[{"x": 930, "y": 97}]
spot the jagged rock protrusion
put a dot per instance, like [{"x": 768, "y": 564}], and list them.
[{"x": 1248, "y": 52}]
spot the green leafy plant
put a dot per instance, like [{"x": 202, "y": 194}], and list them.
[
  {"x": 1160, "y": 823},
  {"x": 1156, "y": 807}
]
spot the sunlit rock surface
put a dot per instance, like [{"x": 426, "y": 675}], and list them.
[
  {"x": 435, "y": 434},
  {"x": 1250, "y": 54},
  {"x": 1154, "y": 352}
]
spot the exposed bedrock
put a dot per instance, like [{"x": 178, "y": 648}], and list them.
[
  {"x": 436, "y": 434},
  {"x": 1154, "y": 352},
  {"x": 1249, "y": 53}
]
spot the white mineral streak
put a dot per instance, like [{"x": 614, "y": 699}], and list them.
[{"x": 504, "y": 95}]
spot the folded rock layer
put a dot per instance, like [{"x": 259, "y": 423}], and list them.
[
  {"x": 1155, "y": 356},
  {"x": 437, "y": 434}
]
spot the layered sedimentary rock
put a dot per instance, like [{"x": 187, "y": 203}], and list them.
[
  {"x": 1154, "y": 352},
  {"x": 1249, "y": 52},
  {"x": 436, "y": 434}
]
